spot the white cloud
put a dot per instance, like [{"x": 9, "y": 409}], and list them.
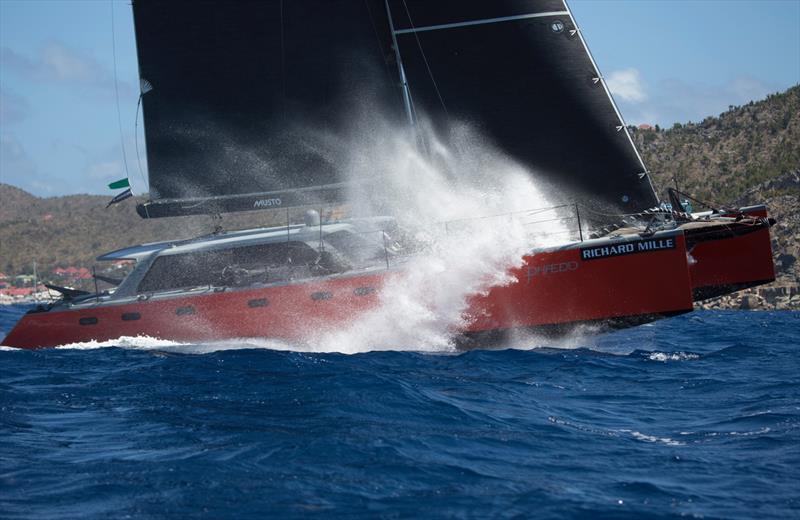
[
  {"x": 56, "y": 62},
  {"x": 63, "y": 64},
  {"x": 13, "y": 108},
  {"x": 627, "y": 85},
  {"x": 676, "y": 100},
  {"x": 16, "y": 166},
  {"x": 106, "y": 171},
  {"x": 747, "y": 88}
]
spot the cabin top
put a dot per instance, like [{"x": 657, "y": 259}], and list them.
[{"x": 231, "y": 239}]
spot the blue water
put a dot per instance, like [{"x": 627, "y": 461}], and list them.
[{"x": 695, "y": 416}]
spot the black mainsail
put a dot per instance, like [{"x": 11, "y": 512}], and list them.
[
  {"x": 238, "y": 88},
  {"x": 520, "y": 72}
]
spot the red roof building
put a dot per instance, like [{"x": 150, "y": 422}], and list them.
[{"x": 17, "y": 291}]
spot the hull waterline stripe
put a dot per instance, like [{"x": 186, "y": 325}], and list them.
[{"x": 481, "y": 22}]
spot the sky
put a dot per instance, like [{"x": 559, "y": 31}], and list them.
[{"x": 665, "y": 61}]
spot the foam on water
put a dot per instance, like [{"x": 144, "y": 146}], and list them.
[
  {"x": 672, "y": 356},
  {"x": 157, "y": 344},
  {"x": 132, "y": 342}
]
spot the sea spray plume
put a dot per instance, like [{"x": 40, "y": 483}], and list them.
[{"x": 437, "y": 195}]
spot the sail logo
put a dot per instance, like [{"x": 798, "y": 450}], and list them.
[
  {"x": 547, "y": 269},
  {"x": 645, "y": 246},
  {"x": 267, "y": 203}
]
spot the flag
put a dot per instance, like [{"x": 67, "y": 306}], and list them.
[
  {"x": 122, "y": 183},
  {"x": 120, "y": 197}
]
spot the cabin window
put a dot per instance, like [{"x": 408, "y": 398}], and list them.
[
  {"x": 237, "y": 267},
  {"x": 89, "y": 320},
  {"x": 258, "y": 302},
  {"x": 131, "y": 316},
  {"x": 185, "y": 311},
  {"x": 358, "y": 248}
]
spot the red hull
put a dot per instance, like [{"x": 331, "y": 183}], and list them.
[
  {"x": 560, "y": 288},
  {"x": 551, "y": 288},
  {"x": 732, "y": 258}
]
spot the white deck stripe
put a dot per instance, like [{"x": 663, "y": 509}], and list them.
[{"x": 481, "y": 22}]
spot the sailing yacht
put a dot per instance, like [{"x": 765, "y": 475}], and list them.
[{"x": 220, "y": 78}]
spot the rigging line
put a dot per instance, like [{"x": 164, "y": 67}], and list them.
[
  {"x": 116, "y": 90},
  {"x": 425, "y": 59},
  {"x": 136, "y": 139}
]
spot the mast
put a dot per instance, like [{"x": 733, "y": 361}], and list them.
[{"x": 401, "y": 72}]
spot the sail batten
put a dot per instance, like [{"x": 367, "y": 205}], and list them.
[
  {"x": 519, "y": 72},
  {"x": 480, "y": 22}
]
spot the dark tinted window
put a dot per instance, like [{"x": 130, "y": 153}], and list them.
[
  {"x": 230, "y": 267},
  {"x": 359, "y": 248}
]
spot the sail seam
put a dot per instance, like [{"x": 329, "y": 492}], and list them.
[{"x": 480, "y": 22}]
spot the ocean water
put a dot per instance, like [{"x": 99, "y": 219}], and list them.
[{"x": 696, "y": 416}]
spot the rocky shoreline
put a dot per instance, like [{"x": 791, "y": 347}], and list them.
[{"x": 769, "y": 298}]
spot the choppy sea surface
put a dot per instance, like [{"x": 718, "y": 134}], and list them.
[{"x": 695, "y": 416}]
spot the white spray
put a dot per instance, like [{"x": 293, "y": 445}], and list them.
[{"x": 441, "y": 195}]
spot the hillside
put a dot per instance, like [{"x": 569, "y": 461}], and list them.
[
  {"x": 723, "y": 157},
  {"x": 749, "y": 154},
  {"x": 73, "y": 230}
]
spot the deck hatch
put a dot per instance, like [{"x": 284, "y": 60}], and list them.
[{"x": 185, "y": 311}]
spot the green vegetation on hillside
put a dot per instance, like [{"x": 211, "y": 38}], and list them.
[
  {"x": 722, "y": 157},
  {"x": 75, "y": 229}
]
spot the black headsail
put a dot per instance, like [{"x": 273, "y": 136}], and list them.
[
  {"x": 520, "y": 72},
  {"x": 238, "y": 89}
]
